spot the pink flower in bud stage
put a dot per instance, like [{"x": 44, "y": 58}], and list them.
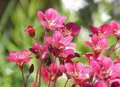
[
  {"x": 51, "y": 73},
  {"x": 76, "y": 71},
  {"x": 59, "y": 41},
  {"x": 116, "y": 28},
  {"x": 102, "y": 31},
  {"x": 30, "y": 31},
  {"x": 20, "y": 58},
  {"x": 70, "y": 29},
  {"x": 51, "y": 19},
  {"x": 97, "y": 44}
]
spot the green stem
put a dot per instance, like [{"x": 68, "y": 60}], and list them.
[
  {"x": 27, "y": 79},
  {"x": 39, "y": 63},
  {"x": 24, "y": 85},
  {"x": 66, "y": 82}
]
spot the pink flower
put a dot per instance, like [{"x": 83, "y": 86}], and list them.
[
  {"x": 59, "y": 41},
  {"x": 76, "y": 71},
  {"x": 51, "y": 19},
  {"x": 51, "y": 73},
  {"x": 116, "y": 28},
  {"x": 20, "y": 58},
  {"x": 70, "y": 29},
  {"x": 102, "y": 31},
  {"x": 102, "y": 68},
  {"x": 97, "y": 44}
]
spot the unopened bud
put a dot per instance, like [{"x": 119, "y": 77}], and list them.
[{"x": 30, "y": 31}]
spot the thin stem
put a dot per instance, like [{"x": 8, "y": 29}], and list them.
[
  {"x": 66, "y": 82},
  {"x": 39, "y": 63},
  {"x": 27, "y": 79},
  {"x": 37, "y": 74},
  {"x": 54, "y": 84},
  {"x": 24, "y": 85},
  {"x": 49, "y": 83},
  {"x": 40, "y": 73}
]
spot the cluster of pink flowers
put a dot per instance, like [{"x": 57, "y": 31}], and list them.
[{"x": 55, "y": 55}]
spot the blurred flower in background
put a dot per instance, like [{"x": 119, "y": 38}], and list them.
[{"x": 74, "y": 5}]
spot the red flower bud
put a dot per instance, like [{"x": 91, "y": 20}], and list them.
[{"x": 30, "y": 31}]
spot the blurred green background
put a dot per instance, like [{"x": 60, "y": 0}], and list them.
[{"x": 16, "y": 15}]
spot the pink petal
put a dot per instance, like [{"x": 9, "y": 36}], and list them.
[
  {"x": 95, "y": 66},
  {"x": 79, "y": 66},
  {"x": 89, "y": 44},
  {"x": 104, "y": 27},
  {"x": 67, "y": 39},
  {"x": 114, "y": 24},
  {"x": 57, "y": 36},
  {"x": 71, "y": 45},
  {"x": 107, "y": 62},
  {"x": 86, "y": 70},
  {"x": 45, "y": 74},
  {"x": 94, "y": 29},
  {"x": 40, "y": 15},
  {"x": 53, "y": 68},
  {"x": 101, "y": 83},
  {"x": 51, "y": 14},
  {"x": 61, "y": 19},
  {"x": 69, "y": 67},
  {"x": 62, "y": 68},
  {"x": 95, "y": 39},
  {"x": 42, "y": 19},
  {"x": 73, "y": 28},
  {"x": 49, "y": 40}
]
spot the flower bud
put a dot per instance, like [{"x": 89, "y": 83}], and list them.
[{"x": 30, "y": 31}]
